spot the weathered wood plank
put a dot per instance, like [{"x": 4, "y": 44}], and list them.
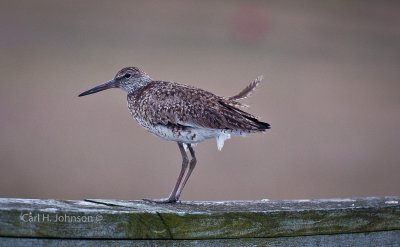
[
  {"x": 116, "y": 219},
  {"x": 373, "y": 239}
]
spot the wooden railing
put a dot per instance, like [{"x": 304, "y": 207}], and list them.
[{"x": 326, "y": 222}]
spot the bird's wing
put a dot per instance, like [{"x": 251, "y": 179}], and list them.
[{"x": 171, "y": 103}]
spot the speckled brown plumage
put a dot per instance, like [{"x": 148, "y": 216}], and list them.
[
  {"x": 184, "y": 114},
  {"x": 175, "y": 105}
]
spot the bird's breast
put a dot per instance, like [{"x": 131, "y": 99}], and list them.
[{"x": 175, "y": 133}]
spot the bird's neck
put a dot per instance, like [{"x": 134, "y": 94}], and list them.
[{"x": 139, "y": 83}]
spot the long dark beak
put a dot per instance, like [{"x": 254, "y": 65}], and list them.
[{"x": 110, "y": 84}]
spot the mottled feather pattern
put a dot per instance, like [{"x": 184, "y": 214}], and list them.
[
  {"x": 182, "y": 113},
  {"x": 162, "y": 102}
]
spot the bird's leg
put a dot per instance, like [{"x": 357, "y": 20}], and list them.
[
  {"x": 193, "y": 162},
  {"x": 173, "y": 196}
]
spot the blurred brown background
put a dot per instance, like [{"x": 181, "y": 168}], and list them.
[{"x": 331, "y": 92}]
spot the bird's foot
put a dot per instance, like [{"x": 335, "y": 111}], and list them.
[{"x": 162, "y": 200}]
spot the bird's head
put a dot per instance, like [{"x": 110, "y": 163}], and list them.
[{"x": 128, "y": 79}]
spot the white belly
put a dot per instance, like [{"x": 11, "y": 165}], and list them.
[
  {"x": 189, "y": 135},
  {"x": 192, "y": 135}
]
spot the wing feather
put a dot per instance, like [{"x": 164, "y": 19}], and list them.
[
  {"x": 247, "y": 91},
  {"x": 171, "y": 103}
]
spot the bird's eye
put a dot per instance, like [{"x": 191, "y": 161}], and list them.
[{"x": 127, "y": 75}]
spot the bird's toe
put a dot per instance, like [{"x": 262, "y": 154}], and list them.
[{"x": 162, "y": 200}]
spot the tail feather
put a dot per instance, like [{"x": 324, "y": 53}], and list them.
[
  {"x": 242, "y": 119},
  {"x": 238, "y": 118},
  {"x": 247, "y": 91}
]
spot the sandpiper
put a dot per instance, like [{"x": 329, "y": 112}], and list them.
[{"x": 184, "y": 114}]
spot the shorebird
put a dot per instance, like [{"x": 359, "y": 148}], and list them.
[{"x": 184, "y": 114}]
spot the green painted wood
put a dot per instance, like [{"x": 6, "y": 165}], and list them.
[{"x": 139, "y": 220}]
